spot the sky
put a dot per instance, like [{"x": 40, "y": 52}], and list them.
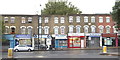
[{"x": 33, "y": 6}]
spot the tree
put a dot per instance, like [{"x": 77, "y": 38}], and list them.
[
  {"x": 60, "y": 8},
  {"x": 116, "y": 14}
]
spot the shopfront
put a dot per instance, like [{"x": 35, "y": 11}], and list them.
[
  {"x": 110, "y": 39},
  {"x": 23, "y": 39},
  {"x": 61, "y": 41},
  {"x": 76, "y": 40},
  {"x": 94, "y": 40}
]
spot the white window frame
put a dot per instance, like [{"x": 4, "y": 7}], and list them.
[
  {"x": 71, "y": 28},
  {"x": 23, "y": 20},
  {"x": 86, "y": 19},
  {"x": 56, "y": 30},
  {"x": 86, "y": 29},
  {"x": 55, "y": 19},
  {"x": 46, "y": 30},
  {"x": 101, "y": 28},
  {"x": 23, "y": 31},
  {"x": 6, "y": 29},
  {"x": 77, "y": 19},
  {"x": 29, "y": 19},
  {"x": 108, "y": 29},
  {"x": 46, "y": 20},
  {"x": 40, "y": 20},
  {"x": 114, "y": 29},
  {"x": 78, "y": 29},
  {"x": 28, "y": 29},
  {"x": 107, "y": 19},
  {"x": 92, "y": 19},
  {"x": 93, "y": 29},
  {"x": 12, "y": 19},
  {"x": 62, "y": 29},
  {"x": 5, "y": 19},
  {"x": 100, "y": 19},
  {"x": 62, "y": 20},
  {"x": 70, "y": 19}
]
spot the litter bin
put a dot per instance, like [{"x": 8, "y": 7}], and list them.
[{"x": 10, "y": 52}]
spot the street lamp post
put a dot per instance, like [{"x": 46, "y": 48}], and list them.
[{"x": 38, "y": 29}]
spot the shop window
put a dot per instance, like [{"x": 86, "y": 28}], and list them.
[
  {"x": 100, "y": 19},
  {"x": 101, "y": 28},
  {"x": 92, "y": 19},
  {"x": 62, "y": 42},
  {"x": 70, "y": 19},
  {"x": 62, "y": 20},
  {"x": 46, "y": 20},
  {"x": 77, "y": 19},
  {"x": 5, "y": 19},
  {"x": 56, "y": 20},
  {"x": 78, "y": 29},
  {"x": 71, "y": 29},
  {"x": 23, "y": 30},
  {"x": 107, "y": 41},
  {"x": 29, "y": 19},
  {"x": 62, "y": 29},
  {"x": 93, "y": 29},
  {"x": 12, "y": 19},
  {"x": 29, "y": 30},
  {"x": 56, "y": 30},
  {"x": 23, "y": 20},
  {"x": 46, "y": 30},
  {"x": 85, "y": 19}
]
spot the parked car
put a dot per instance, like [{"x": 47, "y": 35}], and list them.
[{"x": 23, "y": 48}]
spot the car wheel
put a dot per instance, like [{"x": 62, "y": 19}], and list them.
[
  {"x": 29, "y": 50},
  {"x": 16, "y": 50}
]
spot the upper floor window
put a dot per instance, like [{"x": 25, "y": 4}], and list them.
[
  {"x": 70, "y": 19},
  {"x": 93, "y": 19},
  {"x": 56, "y": 30},
  {"x": 12, "y": 19},
  {"x": 23, "y": 29},
  {"x": 5, "y": 19},
  {"x": 107, "y": 19},
  {"x": 86, "y": 28},
  {"x": 23, "y": 19},
  {"x": 101, "y": 28},
  {"x": 85, "y": 19},
  {"x": 114, "y": 29},
  {"x": 29, "y": 29},
  {"x": 46, "y": 20},
  {"x": 46, "y": 30},
  {"x": 29, "y": 19},
  {"x": 62, "y": 29},
  {"x": 6, "y": 29},
  {"x": 71, "y": 28},
  {"x": 40, "y": 20},
  {"x": 100, "y": 19},
  {"x": 108, "y": 29},
  {"x": 93, "y": 27},
  {"x": 12, "y": 29},
  {"x": 78, "y": 29},
  {"x": 62, "y": 20},
  {"x": 77, "y": 18},
  {"x": 55, "y": 19}
]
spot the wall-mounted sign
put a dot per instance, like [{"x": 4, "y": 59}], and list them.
[{"x": 23, "y": 36}]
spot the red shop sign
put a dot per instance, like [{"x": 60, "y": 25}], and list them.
[{"x": 108, "y": 35}]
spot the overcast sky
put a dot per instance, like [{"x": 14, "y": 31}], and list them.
[{"x": 31, "y": 6}]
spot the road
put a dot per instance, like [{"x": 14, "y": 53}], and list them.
[{"x": 64, "y": 54}]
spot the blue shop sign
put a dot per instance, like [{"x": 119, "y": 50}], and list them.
[
  {"x": 9, "y": 36},
  {"x": 23, "y": 36}
]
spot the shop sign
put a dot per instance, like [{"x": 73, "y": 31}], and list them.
[
  {"x": 23, "y": 36},
  {"x": 43, "y": 36},
  {"x": 62, "y": 36},
  {"x": 108, "y": 35},
  {"x": 9, "y": 37},
  {"x": 76, "y": 34},
  {"x": 95, "y": 34}
]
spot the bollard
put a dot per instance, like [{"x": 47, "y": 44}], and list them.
[
  {"x": 10, "y": 52},
  {"x": 104, "y": 49}
]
